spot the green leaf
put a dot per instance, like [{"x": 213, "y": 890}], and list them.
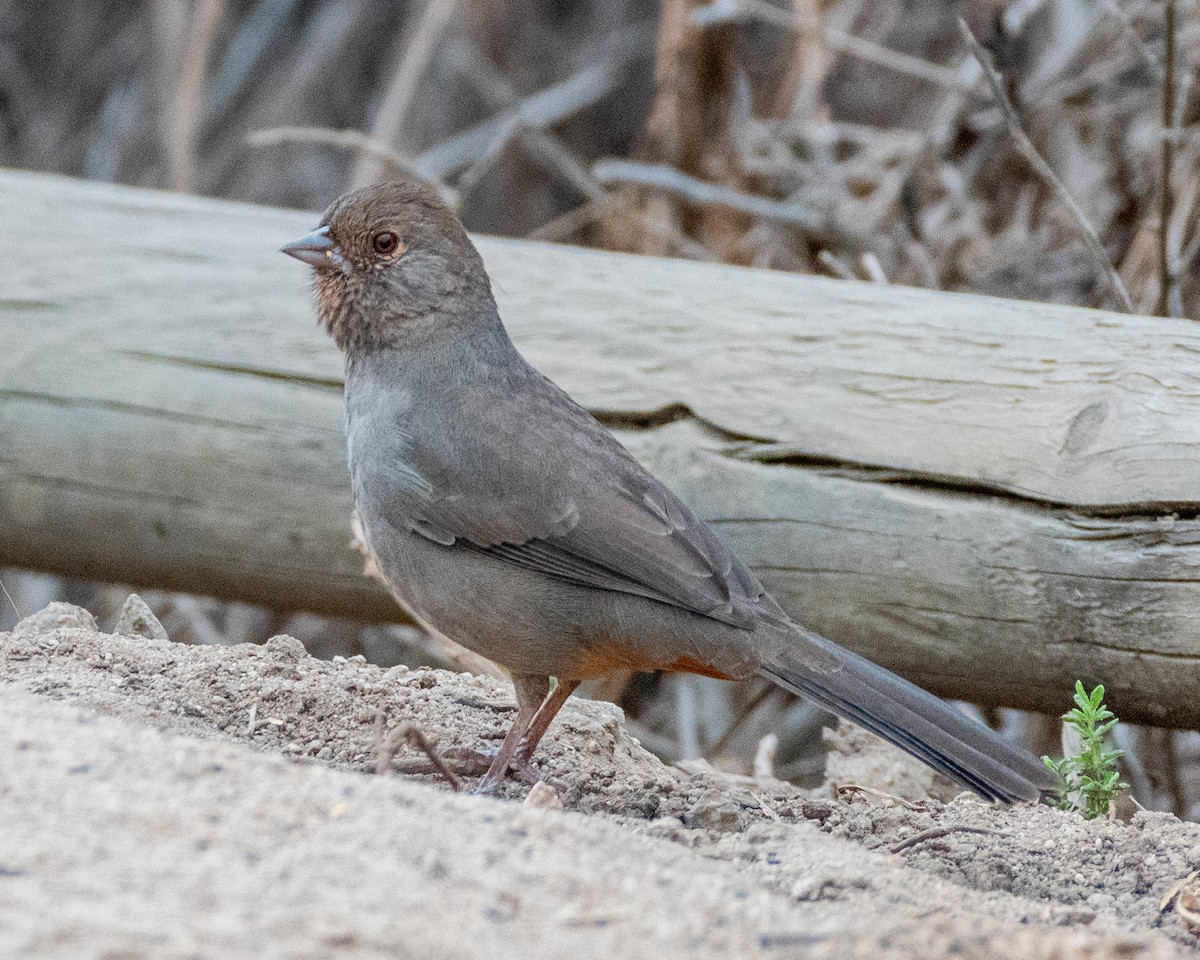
[{"x": 1092, "y": 774}]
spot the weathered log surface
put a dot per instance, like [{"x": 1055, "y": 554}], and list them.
[{"x": 993, "y": 497}]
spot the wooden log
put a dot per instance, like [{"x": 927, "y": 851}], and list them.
[{"x": 992, "y": 497}]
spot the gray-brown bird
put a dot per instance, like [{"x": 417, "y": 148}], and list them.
[{"x": 506, "y": 517}]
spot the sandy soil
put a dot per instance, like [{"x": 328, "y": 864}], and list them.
[{"x": 162, "y": 800}]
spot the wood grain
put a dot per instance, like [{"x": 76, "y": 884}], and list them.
[{"x": 993, "y": 497}]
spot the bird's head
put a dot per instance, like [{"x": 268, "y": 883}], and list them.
[{"x": 389, "y": 261}]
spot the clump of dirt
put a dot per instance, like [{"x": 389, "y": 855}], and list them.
[{"x": 180, "y": 800}]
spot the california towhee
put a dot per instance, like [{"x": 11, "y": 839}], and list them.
[{"x": 505, "y": 516}]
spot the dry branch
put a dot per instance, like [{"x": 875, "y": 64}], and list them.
[
  {"x": 994, "y": 498},
  {"x": 540, "y": 110},
  {"x": 352, "y": 140},
  {"x": 1099, "y": 255},
  {"x": 186, "y": 32},
  {"x": 402, "y": 89},
  {"x": 500, "y": 94},
  {"x": 722, "y": 12},
  {"x": 1168, "y": 283},
  {"x": 680, "y": 184},
  {"x": 960, "y": 215},
  {"x": 944, "y": 830}
]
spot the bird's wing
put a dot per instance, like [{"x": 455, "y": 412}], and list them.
[{"x": 554, "y": 492}]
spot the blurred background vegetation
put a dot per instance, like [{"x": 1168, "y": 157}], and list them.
[{"x": 1056, "y": 161}]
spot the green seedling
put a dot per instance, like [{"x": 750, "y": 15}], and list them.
[{"x": 1090, "y": 779}]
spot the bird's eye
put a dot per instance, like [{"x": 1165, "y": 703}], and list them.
[{"x": 385, "y": 242}]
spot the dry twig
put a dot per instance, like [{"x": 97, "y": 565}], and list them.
[
  {"x": 834, "y": 264},
  {"x": 1035, "y": 159},
  {"x": 499, "y": 94},
  {"x": 567, "y": 224},
  {"x": 839, "y": 40},
  {"x": 934, "y": 832},
  {"x": 351, "y": 140},
  {"x": 704, "y": 194},
  {"x": 16, "y": 609},
  {"x": 251, "y": 721},
  {"x": 1114, "y": 10},
  {"x": 402, "y": 89},
  {"x": 1170, "y": 896},
  {"x": 873, "y": 268},
  {"x": 764, "y": 757},
  {"x": 1168, "y": 286},
  {"x": 408, "y": 732},
  {"x": 871, "y": 791},
  {"x": 186, "y": 35},
  {"x": 536, "y": 112}
]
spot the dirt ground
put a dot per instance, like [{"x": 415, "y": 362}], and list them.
[{"x": 163, "y": 800}]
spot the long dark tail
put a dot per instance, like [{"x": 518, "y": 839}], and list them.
[{"x": 911, "y": 718}]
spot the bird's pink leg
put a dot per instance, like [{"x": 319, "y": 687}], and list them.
[
  {"x": 542, "y": 720},
  {"x": 531, "y": 695}
]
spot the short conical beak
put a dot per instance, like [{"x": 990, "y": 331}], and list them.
[{"x": 316, "y": 249}]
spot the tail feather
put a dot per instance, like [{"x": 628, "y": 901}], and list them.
[{"x": 905, "y": 715}]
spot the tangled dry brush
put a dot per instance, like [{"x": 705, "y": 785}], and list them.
[{"x": 834, "y": 136}]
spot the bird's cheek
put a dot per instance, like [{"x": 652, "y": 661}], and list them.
[{"x": 331, "y": 292}]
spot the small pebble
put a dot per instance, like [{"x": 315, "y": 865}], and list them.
[
  {"x": 816, "y": 809},
  {"x": 138, "y": 620},
  {"x": 283, "y": 647},
  {"x": 543, "y": 797},
  {"x": 715, "y": 810}
]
